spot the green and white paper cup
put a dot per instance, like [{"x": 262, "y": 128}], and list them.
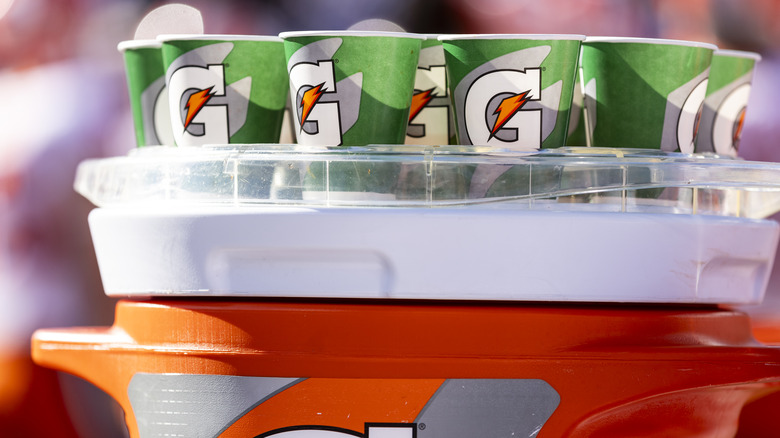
[
  {"x": 512, "y": 91},
  {"x": 728, "y": 90},
  {"x": 351, "y": 88},
  {"x": 148, "y": 96},
  {"x": 430, "y": 117},
  {"x": 644, "y": 93},
  {"x": 225, "y": 88}
]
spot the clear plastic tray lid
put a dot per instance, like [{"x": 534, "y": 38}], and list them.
[{"x": 598, "y": 179}]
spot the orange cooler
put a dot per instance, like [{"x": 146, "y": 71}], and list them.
[{"x": 470, "y": 292}]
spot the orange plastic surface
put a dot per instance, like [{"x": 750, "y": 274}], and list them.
[
  {"x": 619, "y": 370},
  {"x": 767, "y": 330}
]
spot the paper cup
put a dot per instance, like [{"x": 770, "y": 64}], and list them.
[
  {"x": 645, "y": 93},
  {"x": 148, "y": 96},
  {"x": 512, "y": 91},
  {"x": 728, "y": 90},
  {"x": 351, "y": 88},
  {"x": 225, "y": 88}
]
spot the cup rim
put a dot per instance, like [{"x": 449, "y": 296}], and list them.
[
  {"x": 215, "y": 37},
  {"x": 659, "y": 41},
  {"x": 512, "y": 36},
  {"x": 357, "y": 33},
  {"x": 739, "y": 54},
  {"x": 138, "y": 44}
]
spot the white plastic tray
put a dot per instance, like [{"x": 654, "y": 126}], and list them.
[{"x": 501, "y": 251}]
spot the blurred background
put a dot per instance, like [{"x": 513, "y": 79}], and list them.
[{"x": 63, "y": 99}]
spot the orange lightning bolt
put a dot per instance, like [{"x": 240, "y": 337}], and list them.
[
  {"x": 195, "y": 103},
  {"x": 738, "y": 128},
  {"x": 309, "y": 99},
  {"x": 506, "y": 109},
  {"x": 419, "y": 100}
]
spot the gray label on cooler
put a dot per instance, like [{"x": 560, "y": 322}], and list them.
[
  {"x": 196, "y": 405},
  {"x": 467, "y": 408}
]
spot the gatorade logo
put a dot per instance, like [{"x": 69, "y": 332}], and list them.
[
  {"x": 205, "y": 110},
  {"x": 196, "y": 122},
  {"x": 420, "y": 100},
  {"x": 683, "y": 115},
  {"x": 324, "y": 110},
  {"x": 729, "y": 119},
  {"x": 503, "y": 104},
  {"x": 429, "y": 114},
  {"x": 315, "y": 118},
  {"x": 372, "y": 430},
  {"x": 495, "y": 109},
  {"x": 690, "y": 117}
]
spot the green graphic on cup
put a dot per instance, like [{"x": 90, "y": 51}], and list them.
[
  {"x": 351, "y": 88},
  {"x": 728, "y": 90},
  {"x": 512, "y": 91},
  {"x": 576, "y": 131},
  {"x": 430, "y": 117},
  {"x": 644, "y": 93},
  {"x": 148, "y": 95},
  {"x": 225, "y": 88}
]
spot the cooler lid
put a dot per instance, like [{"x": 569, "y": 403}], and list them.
[
  {"x": 582, "y": 179},
  {"x": 447, "y": 253},
  {"x": 450, "y": 222}
]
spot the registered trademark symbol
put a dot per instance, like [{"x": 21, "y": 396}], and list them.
[
  {"x": 335, "y": 61},
  {"x": 544, "y": 68},
  {"x": 422, "y": 426}
]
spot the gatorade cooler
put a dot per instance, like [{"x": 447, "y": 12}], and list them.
[{"x": 429, "y": 292}]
